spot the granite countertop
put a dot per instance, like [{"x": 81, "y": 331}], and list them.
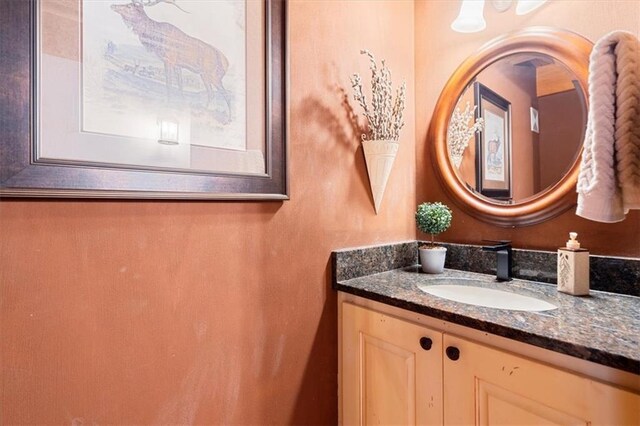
[{"x": 602, "y": 327}]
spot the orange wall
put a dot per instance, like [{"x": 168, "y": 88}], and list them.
[
  {"x": 561, "y": 120},
  {"x": 130, "y": 312},
  {"x": 439, "y": 51}
]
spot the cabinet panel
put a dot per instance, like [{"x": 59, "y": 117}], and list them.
[
  {"x": 499, "y": 406},
  {"x": 388, "y": 378},
  {"x": 487, "y": 386},
  {"x": 387, "y": 383}
]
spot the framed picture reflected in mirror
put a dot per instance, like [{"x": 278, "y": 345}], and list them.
[{"x": 493, "y": 144}]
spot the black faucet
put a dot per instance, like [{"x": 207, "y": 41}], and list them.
[{"x": 505, "y": 259}]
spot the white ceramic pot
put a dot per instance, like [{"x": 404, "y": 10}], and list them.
[{"x": 432, "y": 259}]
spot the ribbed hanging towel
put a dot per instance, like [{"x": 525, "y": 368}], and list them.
[{"x": 609, "y": 178}]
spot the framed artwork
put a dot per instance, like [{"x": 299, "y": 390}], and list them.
[
  {"x": 493, "y": 144},
  {"x": 535, "y": 120},
  {"x": 143, "y": 99}
]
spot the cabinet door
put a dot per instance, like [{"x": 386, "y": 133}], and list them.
[
  {"x": 388, "y": 378},
  {"x": 487, "y": 386}
]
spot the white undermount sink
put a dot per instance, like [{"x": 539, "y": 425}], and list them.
[{"x": 482, "y": 296}]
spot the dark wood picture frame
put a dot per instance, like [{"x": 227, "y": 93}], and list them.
[
  {"x": 22, "y": 176},
  {"x": 484, "y": 96}
]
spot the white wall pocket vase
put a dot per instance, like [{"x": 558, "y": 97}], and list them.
[{"x": 379, "y": 156}]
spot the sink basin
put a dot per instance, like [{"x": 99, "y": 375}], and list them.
[{"x": 482, "y": 296}]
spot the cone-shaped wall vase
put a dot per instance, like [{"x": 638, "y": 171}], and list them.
[{"x": 379, "y": 156}]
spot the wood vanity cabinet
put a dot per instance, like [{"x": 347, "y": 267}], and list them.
[
  {"x": 389, "y": 378},
  {"x": 487, "y": 386},
  {"x": 390, "y": 375}
]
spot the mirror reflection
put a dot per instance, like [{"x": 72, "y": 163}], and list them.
[{"x": 517, "y": 127}]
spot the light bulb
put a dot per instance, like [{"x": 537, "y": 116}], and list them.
[
  {"x": 501, "y": 5},
  {"x": 525, "y": 6},
  {"x": 470, "y": 19}
]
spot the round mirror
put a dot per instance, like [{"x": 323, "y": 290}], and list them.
[{"x": 508, "y": 129}]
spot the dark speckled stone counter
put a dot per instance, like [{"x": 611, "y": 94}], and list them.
[{"x": 602, "y": 328}]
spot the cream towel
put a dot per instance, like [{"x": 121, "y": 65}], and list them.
[{"x": 609, "y": 178}]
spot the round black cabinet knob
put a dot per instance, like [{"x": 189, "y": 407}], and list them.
[
  {"x": 426, "y": 343},
  {"x": 453, "y": 353}
]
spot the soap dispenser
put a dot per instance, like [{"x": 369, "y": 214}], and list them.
[{"x": 573, "y": 268}]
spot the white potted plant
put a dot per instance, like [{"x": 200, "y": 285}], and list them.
[
  {"x": 384, "y": 117},
  {"x": 433, "y": 218}
]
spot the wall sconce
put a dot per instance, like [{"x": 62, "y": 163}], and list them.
[
  {"x": 168, "y": 132},
  {"x": 471, "y": 16}
]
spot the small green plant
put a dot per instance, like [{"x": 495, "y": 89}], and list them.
[{"x": 433, "y": 218}]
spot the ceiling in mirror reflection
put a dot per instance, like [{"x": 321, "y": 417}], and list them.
[{"x": 517, "y": 127}]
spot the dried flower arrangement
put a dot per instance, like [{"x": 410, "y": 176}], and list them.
[
  {"x": 459, "y": 132},
  {"x": 385, "y": 115}
]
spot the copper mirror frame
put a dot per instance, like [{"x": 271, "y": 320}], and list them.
[{"x": 568, "y": 48}]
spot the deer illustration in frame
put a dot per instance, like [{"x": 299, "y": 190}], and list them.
[{"x": 102, "y": 91}]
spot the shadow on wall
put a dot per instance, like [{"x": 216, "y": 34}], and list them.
[
  {"x": 325, "y": 117},
  {"x": 311, "y": 399},
  {"x": 344, "y": 129},
  {"x": 92, "y": 208}
]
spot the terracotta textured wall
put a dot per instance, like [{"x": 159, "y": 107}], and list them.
[
  {"x": 439, "y": 51},
  {"x": 560, "y": 118},
  {"x": 129, "y": 312}
]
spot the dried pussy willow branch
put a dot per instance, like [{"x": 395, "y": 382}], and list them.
[
  {"x": 385, "y": 113},
  {"x": 459, "y": 131}
]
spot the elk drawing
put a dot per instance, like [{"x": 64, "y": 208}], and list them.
[{"x": 176, "y": 49}]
